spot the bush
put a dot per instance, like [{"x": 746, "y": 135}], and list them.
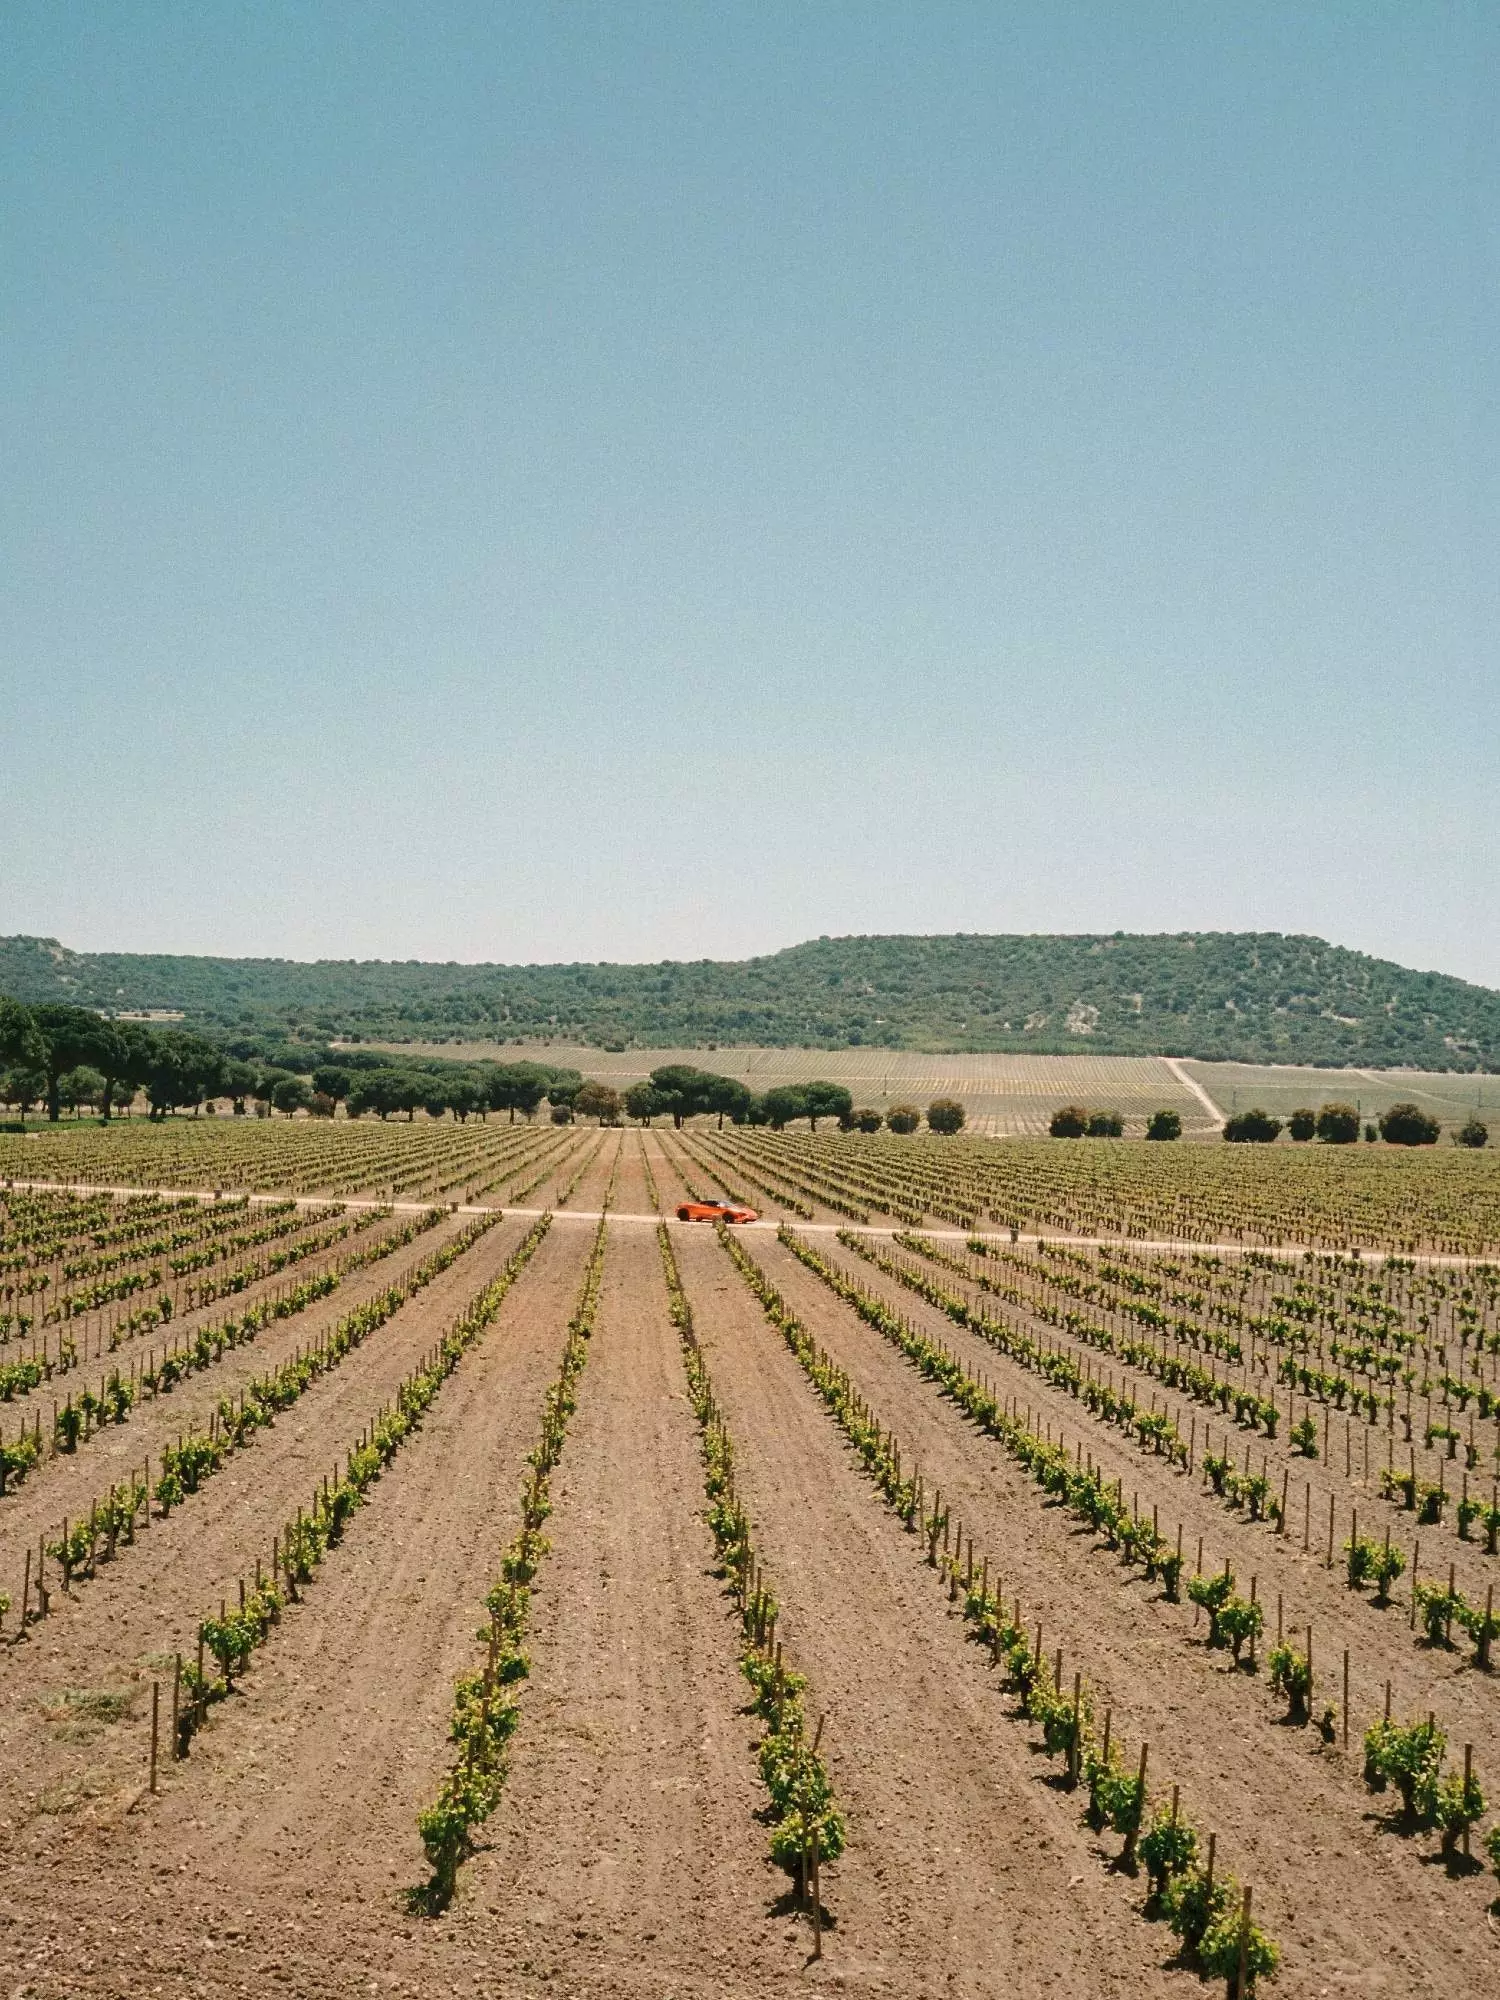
[
  {"x": 1071, "y": 1122},
  {"x": 1410, "y": 1759},
  {"x": 1254, "y": 1128},
  {"x": 1338, "y": 1125},
  {"x": 945, "y": 1114},
  {"x": 1291, "y": 1676},
  {"x": 1220, "y": 1947},
  {"x": 1302, "y": 1125},
  {"x": 1164, "y": 1125},
  {"x": 869, "y": 1120},
  {"x": 1105, "y": 1125},
  {"x": 903, "y": 1118},
  {"x": 1472, "y": 1134},
  {"x": 1408, "y": 1125}
]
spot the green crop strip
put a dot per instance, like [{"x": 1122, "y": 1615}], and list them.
[
  {"x": 807, "y": 1825},
  {"x": 1201, "y": 1384},
  {"x": 1150, "y": 1431},
  {"x": 1205, "y": 1911},
  {"x": 198, "y": 1455},
  {"x": 118, "y": 1393},
  {"x": 1233, "y": 1620},
  {"x": 232, "y": 1638},
  {"x": 485, "y": 1712}
]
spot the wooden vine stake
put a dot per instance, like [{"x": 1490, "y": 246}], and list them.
[
  {"x": 155, "y": 1730},
  {"x": 1239, "y": 1977},
  {"x": 817, "y": 1904}
]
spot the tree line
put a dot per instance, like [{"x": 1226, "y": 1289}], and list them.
[
  {"x": 1333, "y": 1124},
  {"x": 67, "y": 1058},
  {"x": 680, "y": 1091},
  {"x": 71, "y": 1058}
]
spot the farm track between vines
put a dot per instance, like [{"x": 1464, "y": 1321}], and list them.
[
  {"x": 825, "y": 1221},
  {"x": 180, "y": 1566},
  {"x": 1339, "y": 1892},
  {"x": 628, "y": 1830}
]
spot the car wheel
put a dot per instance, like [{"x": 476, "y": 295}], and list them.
[{"x": 683, "y": 1216}]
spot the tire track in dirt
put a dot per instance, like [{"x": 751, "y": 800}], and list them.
[
  {"x": 626, "y": 1838},
  {"x": 70, "y": 1483},
  {"x": 1347, "y": 1903},
  {"x": 154, "y": 1597},
  {"x": 962, "y": 1860}
]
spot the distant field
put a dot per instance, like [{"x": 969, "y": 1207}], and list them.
[
  {"x": 1014, "y": 1096},
  {"x": 1006, "y": 1095},
  {"x": 1452, "y": 1097}
]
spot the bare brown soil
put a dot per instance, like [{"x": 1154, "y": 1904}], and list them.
[
  {"x": 670, "y": 1185},
  {"x": 277, "y": 1855},
  {"x": 1348, "y": 1899},
  {"x": 628, "y": 1837}
]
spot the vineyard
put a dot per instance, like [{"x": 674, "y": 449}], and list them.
[{"x": 427, "y": 1566}]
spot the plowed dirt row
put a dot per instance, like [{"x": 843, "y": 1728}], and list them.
[
  {"x": 1380, "y": 1644},
  {"x": 626, "y": 1843},
  {"x": 631, "y": 1193},
  {"x": 66, "y": 1486},
  {"x": 290, "y": 1833},
  {"x": 604, "y": 1145},
  {"x": 669, "y": 1182},
  {"x": 152, "y": 1598},
  {"x": 964, "y": 1864},
  {"x": 1350, "y": 1904}
]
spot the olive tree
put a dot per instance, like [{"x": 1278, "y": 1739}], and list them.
[
  {"x": 1338, "y": 1124},
  {"x": 1252, "y": 1128},
  {"x": 1408, "y": 1125}
]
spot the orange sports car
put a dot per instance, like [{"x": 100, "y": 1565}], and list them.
[{"x": 715, "y": 1211}]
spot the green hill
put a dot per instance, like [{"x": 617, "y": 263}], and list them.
[{"x": 1252, "y": 996}]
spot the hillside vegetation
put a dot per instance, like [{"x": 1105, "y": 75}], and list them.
[{"x": 1249, "y": 996}]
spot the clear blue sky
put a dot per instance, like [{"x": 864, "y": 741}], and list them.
[{"x": 571, "y": 481}]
